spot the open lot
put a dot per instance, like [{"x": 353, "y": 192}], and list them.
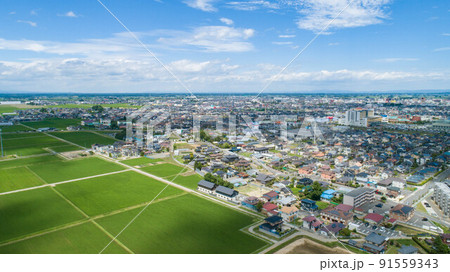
[
  {"x": 84, "y": 138},
  {"x": 140, "y": 161},
  {"x": 81, "y": 239},
  {"x": 78, "y": 168},
  {"x": 113, "y": 192},
  {"x": 164, "y": 169},
  {"x": 32, "y": 211},
  {"x": 186, "y": 224},
  {"x": 17, "y": 178},
  {"x": 54, "y": 123}
]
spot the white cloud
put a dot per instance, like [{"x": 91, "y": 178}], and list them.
[
  {"x": 227, "y": 21},
  {"x": 445, "y": 34},
  {"x": 212, "y": 39},
  {"x": 333, "y": 44},
  {"x": 391, "y": 60},
  {"x": 33, "y": 12},
  {"x": 205, "y": 5},
  {"x": 282, "y": 43},
  {"x": 252, "y": 5},
  {"x": 286, "y": 36},
  {"x": 70, "y": 14},
  {"x": 317, "y": 14},
  {"x": 33, "y": 24},
  {"x": 12, "y": 13},
  {"x": 345, "y": 75},
  {"x": 441, "y": 49}
]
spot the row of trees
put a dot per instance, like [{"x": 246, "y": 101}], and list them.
[{"x": 218, "y": 180}]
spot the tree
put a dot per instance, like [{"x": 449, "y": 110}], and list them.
[
  {"x": 315, "y": 191},
  {"x": 439, "y": 247},
  {"x": 43, "y": 110},
  {"x": 383, "y": 199},
  {"x": 345, "y": 232},
  {"x": 259, "y": 206},
  {"x": 198, "y": 165},
  {"x": 114, "y": 124},
  {"x": 97, "y": 108}
]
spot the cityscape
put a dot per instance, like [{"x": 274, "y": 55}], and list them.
[
  {"x": 271, "y": 134},
  {"x": 284, "y": 173}
]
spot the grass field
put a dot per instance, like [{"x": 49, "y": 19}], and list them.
[
  {"x": 54, "y": 123},
  {"x": 32, "y": 211},
  {"x": 27, "y": 161},
  {"x": 14, "y": 128},
  {"x": 186, "y": 224},
  {"x": 407, "y": 242},
  {"x": 66, "y": 170},
  {"x": 65, "y": 148},
  {"x": 7, "y": 109},
  {"x": 140, "y": 161},
  {"x": 25, "y": 144},
  {"x": 164, "y": 169},
  {"x": 113, "y": 192},
  {"x": 190, "y": 181},
  {"x": 84, "y": 138},
  {"x": 81, "y": 239},
  {"x": 88, "y": 106},
  {"x": 17, "y": 178}
]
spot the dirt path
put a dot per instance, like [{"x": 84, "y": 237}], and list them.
[{"x": 306, "y": 246}]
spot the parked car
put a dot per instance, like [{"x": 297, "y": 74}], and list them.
[{"x": 379, "y": 205}]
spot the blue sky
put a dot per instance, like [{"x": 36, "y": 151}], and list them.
[{"x": 224, "y": 45}]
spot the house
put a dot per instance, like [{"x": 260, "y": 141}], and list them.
[
  {"x": 332, "y": 229},
  {"x": 262, "y": 150},
  {"x": 287, "y": 200},
  {"x": 362, "y": 177},
  {"x": 271, "y": 196},
  {"x": 375, "y": 243},
  {"x": 393, "y": 191},
  {"x": 374, "y": 218},
  {"x": 401, "y": 212},
  {"x": 327, "y": 195},
  {"x": 331, "y": 214},
  {"x": 308, "y": 205},
  {"x": 289, "y": 214},
  {"x": 272, "y": 225},
  {"x": 312, "y": 223},
  {"x": 264, "y": 179},
  {"x": 445, "y": 237},
  {"x": 226, "y": 193},
  {"x": 304, "y": 182},
  {"x": 250, "y": 202},
  {"x": 270, "y": 208},
  {"x": 408, "y": 250},
  {"x": 206, "y": 186}
]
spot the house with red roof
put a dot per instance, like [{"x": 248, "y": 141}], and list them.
[
  {"x": 374, "y": 218},
  {"x": 270, "y": 208},
  {"x": 312, "y": 223}
]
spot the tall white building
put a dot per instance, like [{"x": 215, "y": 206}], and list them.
[
  {"x": 442, "y": 196},
  {"x": 358, "y": 118}
]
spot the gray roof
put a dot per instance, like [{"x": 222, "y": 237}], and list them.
[
  {"x": 225, "y": 191},
  {"x": 375, "y": 238},
  {"x": 359, "y": 191},
  {"x": 206, "y": 184},
  {"x": 377, "y": 248},
  {"x": 407, "y": 250}
]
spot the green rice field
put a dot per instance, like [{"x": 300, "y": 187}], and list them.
[
  {"x": 67, "y": 170},
  {"x": 18, "y": 178},
  {"x": 54, "y": 123},
  {"x": 164, "y": 169},
  {"x": 84, "y": 138}
]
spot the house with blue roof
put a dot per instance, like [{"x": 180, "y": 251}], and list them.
[{"x": 328, "y": 195}]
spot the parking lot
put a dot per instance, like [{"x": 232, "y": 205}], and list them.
[{"x": 366, "y": 230}]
